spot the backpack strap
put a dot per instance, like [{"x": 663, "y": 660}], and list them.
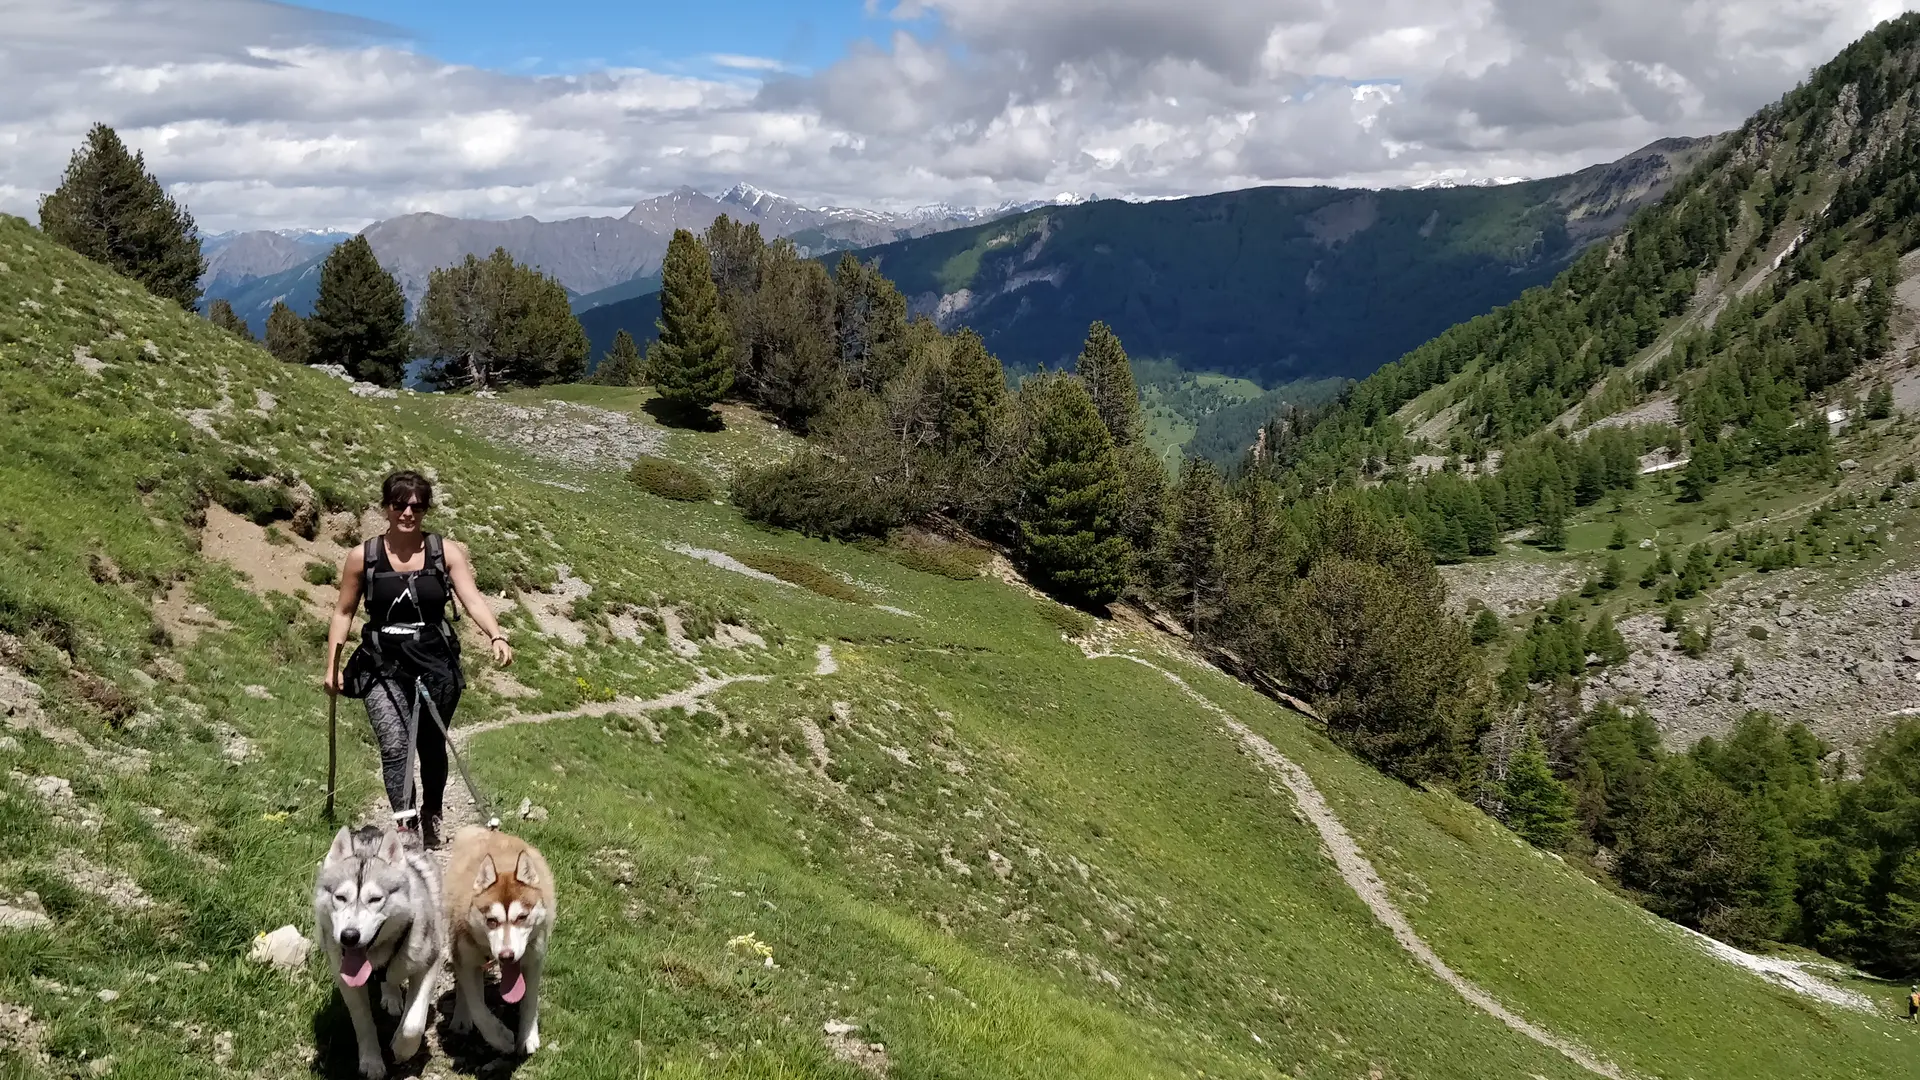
[
  {"x": 369, "y": 559},
  {"x": 437, "y": 563}
]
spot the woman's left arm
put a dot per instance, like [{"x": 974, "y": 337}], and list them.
[{"x": 460, "y": 569}]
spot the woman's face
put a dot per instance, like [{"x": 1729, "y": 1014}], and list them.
[{"x": 406, "y": 513}]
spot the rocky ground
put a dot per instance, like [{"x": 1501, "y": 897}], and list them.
[
  {"x": 578, "y": 435},
  {"x": 1844, "y": 663}
]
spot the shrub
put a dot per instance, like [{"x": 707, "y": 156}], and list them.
[
  {"x": 258, "y": 503},
  {"x": 113, "y": 702},
  {"x": 1071, "y": 622},
  {"x": 819, "y": 496},
  {"x": 670, "y": 480},
  {"x": 1692, "y": 642},
  {"x": 321, "y": 573},
  {"x": 802, "y": 573},
  {"x": 932, "y": 555},
  {"x": 333, "y": 499}
]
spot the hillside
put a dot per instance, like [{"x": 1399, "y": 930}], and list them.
[
  {"x": 1267, "y": 284},
  {"x": 1727, "y": 349},
  {"x": 981, "y": 835}
]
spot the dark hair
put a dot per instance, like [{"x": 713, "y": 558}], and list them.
[{"x": 405, "y": 486}]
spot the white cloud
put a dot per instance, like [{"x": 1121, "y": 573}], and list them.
[
  {"x": 264, "y": 114},
  {"x": 746, "y": 63}
]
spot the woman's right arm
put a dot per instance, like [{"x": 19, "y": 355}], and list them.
[{"x": 343, "y": 612}]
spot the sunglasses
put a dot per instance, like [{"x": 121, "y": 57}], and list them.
[{"x": 416, "y": 506}]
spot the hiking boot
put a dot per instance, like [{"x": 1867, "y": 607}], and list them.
[{"x": 430, "y": 831}]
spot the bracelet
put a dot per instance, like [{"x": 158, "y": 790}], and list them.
[{"x": 496, "y": 637}]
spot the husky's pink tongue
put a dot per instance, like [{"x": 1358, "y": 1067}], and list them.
[
  {"x": 355, "y": 968},
  {"x": 513, "y": 984}
]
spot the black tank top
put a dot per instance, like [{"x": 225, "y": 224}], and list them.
[{"x": 404, "y": 598}]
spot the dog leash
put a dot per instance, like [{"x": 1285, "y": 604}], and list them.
[{"x": 480, "y": 802}]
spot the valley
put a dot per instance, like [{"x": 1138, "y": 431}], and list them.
[
  {"x": 1446, "y": 630},
  {"x": 970, "y": 847}
]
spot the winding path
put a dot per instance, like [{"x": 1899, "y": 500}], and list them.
[{"x": 1364, "y": 880}]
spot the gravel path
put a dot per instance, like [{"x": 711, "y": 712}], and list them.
[{"x": 1364, "y": 880}]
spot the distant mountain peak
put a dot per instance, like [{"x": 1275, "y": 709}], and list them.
[{"x": 1443, "y": 182}]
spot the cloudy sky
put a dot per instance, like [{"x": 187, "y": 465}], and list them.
[{"x": 342, "y": 112}]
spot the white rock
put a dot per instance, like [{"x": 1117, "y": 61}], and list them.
[
  {"x": 108, "y": 996},
  {"x": 285, "y": 948}
]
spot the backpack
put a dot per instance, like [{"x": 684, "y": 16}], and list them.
[{"x": 436, "y": 565}]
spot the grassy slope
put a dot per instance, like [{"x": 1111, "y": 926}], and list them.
[{"x": 1160, "y": 906}]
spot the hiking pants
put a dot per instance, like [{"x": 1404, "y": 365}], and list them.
[{"x": 389, "y": 704}]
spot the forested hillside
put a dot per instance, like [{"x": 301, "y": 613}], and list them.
[
  {"x": 1269, "y": 284},
  {"x": 1660, "y": 475},
  {"x": 1764, "y": 277}
]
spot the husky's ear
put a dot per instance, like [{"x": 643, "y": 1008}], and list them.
[
  {"x": 523, "y": 871},
  {"x": 392, "y": 847},
  {"x": 486, "y": 875},
  {"x": 342, "y": 848}
]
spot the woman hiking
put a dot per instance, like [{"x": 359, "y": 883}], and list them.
[{"x": 406, "y": 577}]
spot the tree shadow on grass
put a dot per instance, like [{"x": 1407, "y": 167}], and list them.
[{"x": 676, "y": 414}]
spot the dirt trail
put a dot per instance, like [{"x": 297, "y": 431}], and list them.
[
  {"x": 1364, "y": 880},
  {"x": 679, "y": 699}
]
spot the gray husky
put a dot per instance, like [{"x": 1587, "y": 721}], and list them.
[{"x": 377, "y": 904}]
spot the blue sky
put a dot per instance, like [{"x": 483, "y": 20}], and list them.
[
  {"x": 276, "y": 114},
  {"x": 576, "y": 35}
]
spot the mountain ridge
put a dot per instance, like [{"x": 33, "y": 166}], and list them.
[
  {"x": 595, "y": 258},
  {"x": 1274, "y": 284}
]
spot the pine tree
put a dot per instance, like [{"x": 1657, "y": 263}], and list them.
[
  {"x": 220, "y": 313},
  {"x": 1104, "y": 367},
  {"x": 1487, "y": 627},
  {"x": 359, "y": 320},
  {"x": 498, "y": 321},
  {"x": 1619, "y": 539},
  {"x": 1553, "y": 523},
  {"x": 622, "y": 365},
  {"x": 1604, "y": 640},
  {"x": 287, "y": 337},
  {"x": 1538, "y": 806},
  {"x": 1192, "y": 550},
  {"x": 973, "y": 396},
  {"x": 110, "y": 209},
  {"x": 870, "y": 324},
  {"x": 1700, "y": 473},
  {"x": 1108, "y": 374},
  {"x": 1612, "y": 573},
  {"x": 692, "y": 363},
  {"x": 1070, "y": 494},
  {"x": 1880, "y": 402}
]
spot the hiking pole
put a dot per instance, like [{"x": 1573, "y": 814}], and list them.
[{"x": 333, "y": 708}]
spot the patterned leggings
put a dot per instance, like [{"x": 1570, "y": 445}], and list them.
[{"x": 388, "y": 705}]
